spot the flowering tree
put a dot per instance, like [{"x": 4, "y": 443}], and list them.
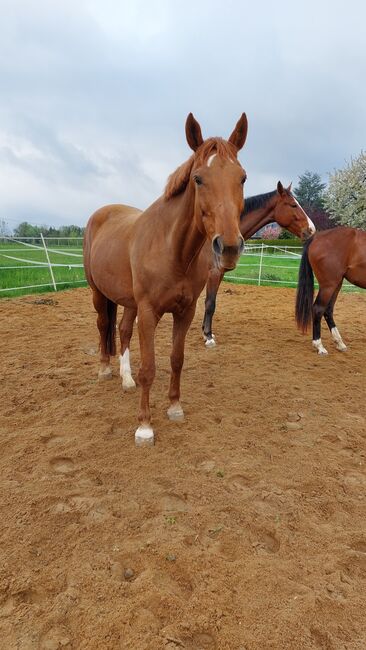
[{"x": 345, "y": 198}]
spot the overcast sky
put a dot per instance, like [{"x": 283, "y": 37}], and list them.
[{"x": 94, "y": 95}]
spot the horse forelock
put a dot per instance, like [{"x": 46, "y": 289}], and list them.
[{"x": 178, "y": 180}]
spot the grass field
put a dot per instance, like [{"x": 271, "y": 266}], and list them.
[
  {"x": 24, "y": 266},
  {"x": 24, "y": 269}
]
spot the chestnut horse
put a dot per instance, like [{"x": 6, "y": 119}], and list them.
[
  {"x": 332, "y": 255},
  {"x": 148, "y": 261},
  {"x": 280, "y": 206}
]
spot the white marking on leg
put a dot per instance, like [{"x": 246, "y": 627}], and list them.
[
  {"x": 144, "y": 436},
  {"x": 210, "y": 343},
  {"x": 175, "y": 412},
  {"x": 338, "y": 340},
  {"x": 318, "y": 345},
  {"x": 210, "y": 159},
  {"x": 125, "y": 371}
]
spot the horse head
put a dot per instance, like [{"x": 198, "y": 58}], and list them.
[
  {"x": 217, "y": 179},
  {"x": 289, "y": 214}
]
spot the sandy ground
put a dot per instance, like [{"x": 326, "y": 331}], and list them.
[{"x": 244, "y": 528}]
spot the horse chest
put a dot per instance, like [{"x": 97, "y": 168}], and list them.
[{"x": 179, "y": 299}]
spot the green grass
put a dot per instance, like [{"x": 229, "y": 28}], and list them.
[
  {"x": 275, "y": 270},
  {"x": 29, "y": 274},
  {"x": 278, "y": 269}
]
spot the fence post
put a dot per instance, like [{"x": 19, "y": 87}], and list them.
[
  {"x": 49, "y": 263},
  {"x": 260, "y": 266}
]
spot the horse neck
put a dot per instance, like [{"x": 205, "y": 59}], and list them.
[
  {"x": 255, "y": 219},
  {"x": 187, "y": 241}
]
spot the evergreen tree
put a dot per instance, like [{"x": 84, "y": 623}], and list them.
[{"x": 310, "y": 191}]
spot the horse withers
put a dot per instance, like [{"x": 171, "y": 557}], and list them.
[
  {"x": 280, "y": 206},
  {"x": 331, "y": 255},
  {"x": 149, "y": 261}
]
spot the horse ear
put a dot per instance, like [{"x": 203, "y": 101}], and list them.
[
  {"x": 239, "y": 135},
  {"x": 193, "y": 132},
  {"x": 288, "y": 189},
  {"x": 280, "y": 188}
]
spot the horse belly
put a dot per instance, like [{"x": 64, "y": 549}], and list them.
[{"x": 356, "y": 274}]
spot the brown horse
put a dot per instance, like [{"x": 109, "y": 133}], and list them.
[
  {"x": 332, "y": 255},
  {"x": 280, "y": 206},
  {"x": 149, "y": 261}
]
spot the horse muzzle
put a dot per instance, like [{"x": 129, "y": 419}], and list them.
[{"x": 227, "y": 255}]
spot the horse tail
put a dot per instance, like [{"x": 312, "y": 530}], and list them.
[
  {"x": 110, "y": 339},
  {"x": 305, "y": 291}
]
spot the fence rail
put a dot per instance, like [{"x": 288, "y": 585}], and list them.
[{"x": 26, "y": 266}]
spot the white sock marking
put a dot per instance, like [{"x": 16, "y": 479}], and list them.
[
  {"x": 125, "y": 370},
  {"x": 318, "y": 345},
  {"x": 175, "y": 412},
  {"x": 338, "y": 339},
  {"x": 144, "y": 436}
]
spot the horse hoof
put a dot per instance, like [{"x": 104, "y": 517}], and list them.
[
  {"x": 128, "y": 385},
  {"x": 144, "y": 436},
  {"x": 175, "y": 413},
  {"x": 341, "y": 348},
  {"x": 323, "y": 352},
  {"x": 210, "y": 343},
  {"x": 105, "y": 374}
]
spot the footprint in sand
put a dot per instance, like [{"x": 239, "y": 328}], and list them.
[
  {"x": 268, "y": 542},
  {"x": 359, "y": 546},
  {"x": 241, "y": 483},
  {"x": 56, "y": 638},
  {"x": 173, "y": 503},
  {"x": 62, "y": 465},
  {"x": 200, "y": 641}
]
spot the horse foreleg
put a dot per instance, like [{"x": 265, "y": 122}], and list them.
[
  {"x": 147, "y": 322},
  {"x": 322, "y": 300},
  {"x": 125, "y": 332},
  {"x": 213, "y": 282},
  {"x": 181, "y": 326},
  {"x": 328, "y": 315}
]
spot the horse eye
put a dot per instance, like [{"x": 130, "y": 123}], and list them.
[
  {"x": 197, "y": 180},
  {"x": 243, "y": 180},
  {"x": 294, "y": 205}
]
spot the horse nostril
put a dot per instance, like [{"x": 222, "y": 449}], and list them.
[{"x": 217, "y": 245}]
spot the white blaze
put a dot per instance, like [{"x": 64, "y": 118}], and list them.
[{"x": 209, "y": 162}]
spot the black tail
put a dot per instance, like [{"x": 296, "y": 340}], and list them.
[
  {"x": 305, "y": 291},
  {"x": 111, "y": 332}
]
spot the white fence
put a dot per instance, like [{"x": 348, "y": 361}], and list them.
[
  {"x": 44, "y": 263},
  {"x": 29, "y": 258}
]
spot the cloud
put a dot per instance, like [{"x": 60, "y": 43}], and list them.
[{"x": 95, "y": 95}]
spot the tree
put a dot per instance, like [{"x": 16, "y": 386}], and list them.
[
  {"x": 310, "y": 191},
  {"x": 345, "y": 198},
  {"x": 26, "y": 229}
]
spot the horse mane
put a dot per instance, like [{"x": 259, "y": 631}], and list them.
[
  {"x": 257, "y": 201},
  {"x": 178, "y": 180}
]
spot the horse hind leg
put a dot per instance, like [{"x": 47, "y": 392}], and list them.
[
  {"x": 322, "y": 300},
  {"x": 328, "y": 315},
  {"x": 125, "y": 332},
  {"x": 106, "y": 323}
]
